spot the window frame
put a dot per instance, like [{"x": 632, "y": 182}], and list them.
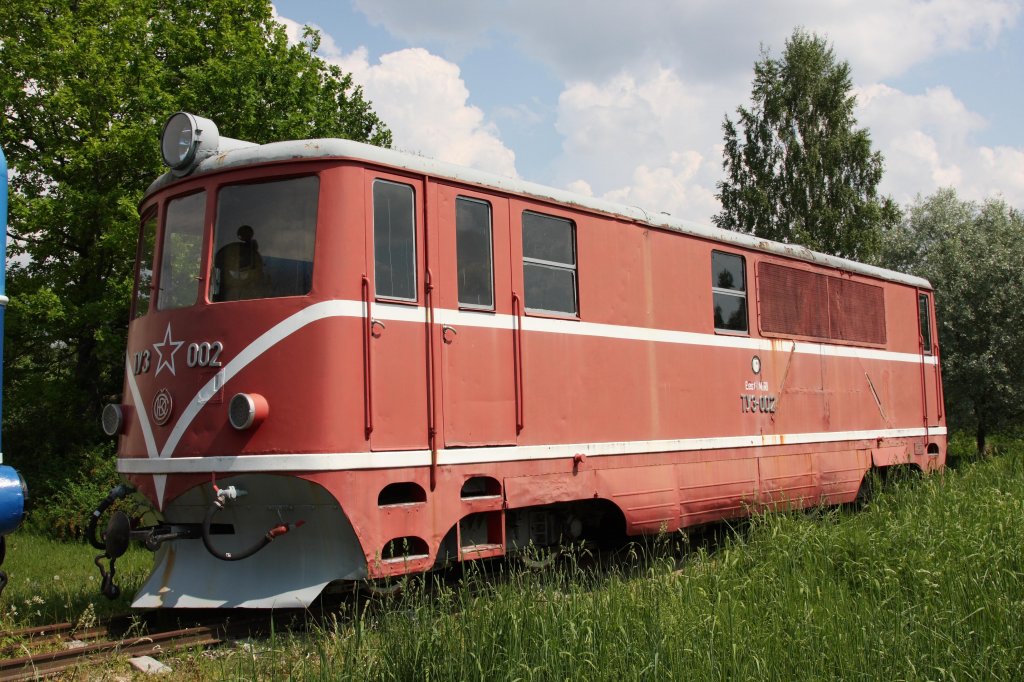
[
  {"x": 743, "y": 295},
  {"x": 152, "y": 213},
  {"x": 554, "y": 265},
  {"x": 161, "y": 249},
  {"x": 415, "y": 242},
  {"x": 208, "y": 295},
  {"x": 490, "y": 253},
  {"x": 924, "y": 323}
]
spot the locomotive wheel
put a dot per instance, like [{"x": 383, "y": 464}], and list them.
[
  {"x": 381, "y": 587},
  {"x": 539, "y": 558},
  {"x": 868, "y": 486}
]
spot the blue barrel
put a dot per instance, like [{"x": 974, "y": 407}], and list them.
[{"x": 13, "y": 495}]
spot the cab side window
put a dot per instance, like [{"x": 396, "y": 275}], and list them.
[
  {"x": 926, "y": 323},
  {"x": 394, "y": 240},
  {"x": 144, "y": 278},
  {"x": 474, "y": 253},
  {"x": 729, "y": 292},
  {"x": 549, "y": 264}
]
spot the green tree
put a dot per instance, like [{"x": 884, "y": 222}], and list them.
[
  {"x": 86, "y": 86},
  {"x": 797, "y": 168},
  {"x": 970, "y": 252}
]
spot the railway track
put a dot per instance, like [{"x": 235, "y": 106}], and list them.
[
  {"x": 50, "y": 649},
  {"x": 43, "y": 651}
]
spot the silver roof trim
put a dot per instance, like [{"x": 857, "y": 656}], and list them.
[{"x": 347, "y": 149}]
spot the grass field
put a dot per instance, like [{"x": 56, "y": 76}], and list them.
[{"x": 924, "y": 583}]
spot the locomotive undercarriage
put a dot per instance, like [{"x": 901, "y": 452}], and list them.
[
  {"x": 209, "y": 552},
  {"x": 290, "y": 571}
]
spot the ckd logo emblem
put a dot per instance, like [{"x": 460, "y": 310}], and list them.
[{"x": 163, "y": 407}]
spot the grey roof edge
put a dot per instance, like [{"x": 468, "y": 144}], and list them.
[{"x": 241, "y": 156}]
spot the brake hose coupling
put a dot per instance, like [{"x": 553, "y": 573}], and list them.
[
  {"x": 283, "y": 528},
  {"x": 225, "y": 495}
]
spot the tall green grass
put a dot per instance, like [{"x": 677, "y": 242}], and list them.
[
  {"x": 52, "y": 581},
  {"x": 925, "y": 583}
]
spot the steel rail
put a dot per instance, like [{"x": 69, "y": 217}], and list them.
[{"x": 44, "y": 664}]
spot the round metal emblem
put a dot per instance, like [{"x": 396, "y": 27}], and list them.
[
  {"x": 163, "y": 406},
  {"x": 755, "y": 364}
]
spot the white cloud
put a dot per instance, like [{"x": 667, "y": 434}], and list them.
[
  {"x": 652, "y": 142},
  {"x": 424, "y": 102},
  {"x": 927, "y": 143},
  {"x": 708, "y": 40},
  {"x": 646, "y": 89}
]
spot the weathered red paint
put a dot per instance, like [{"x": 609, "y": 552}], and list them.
[{"x": 500, "y": 378}]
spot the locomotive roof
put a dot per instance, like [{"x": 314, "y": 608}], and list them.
[{"x": 240, "y": 154}]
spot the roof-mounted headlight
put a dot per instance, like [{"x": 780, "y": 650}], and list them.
[{"x": 188, "y": 139}]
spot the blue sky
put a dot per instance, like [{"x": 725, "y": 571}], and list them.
[{"x": 625, "y": 101}]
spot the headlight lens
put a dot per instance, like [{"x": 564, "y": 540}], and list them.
[
  {"x": 178, "y": 142},
  {"x": 187, "y": 140},
  {"x": 247, "y": 410},
  {"x": 113, "y": 419}
]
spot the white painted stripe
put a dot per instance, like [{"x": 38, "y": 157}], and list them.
[
  {"x": 456, "y": 318},
  {"x": 345, "y": 461},
  {"x": 412, "y": 313},
  {"x": 140, "y": 408}
]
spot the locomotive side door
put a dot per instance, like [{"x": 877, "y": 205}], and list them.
[
  {"x": 395, "y": 329},
  {"x": 475, "y": 313}
]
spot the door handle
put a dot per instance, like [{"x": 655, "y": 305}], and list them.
[
  {"x": 376, "y": 327},
  {"x": 444, "y": 333}
]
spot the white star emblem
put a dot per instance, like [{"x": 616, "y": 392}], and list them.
[{"x": 167, "y": 343}]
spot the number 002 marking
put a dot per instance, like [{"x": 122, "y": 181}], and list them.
[{"x": 204, "y": 354}]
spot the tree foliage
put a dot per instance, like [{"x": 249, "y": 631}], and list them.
[
  {"x": 86, "y": 86},
  {"x": 798, "y": 170},
  {"x": 970, "y": 252}
]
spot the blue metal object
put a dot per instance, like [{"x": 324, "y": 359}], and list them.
[
  {"x": 3, "y": 278},
  {"x": 12, "y": 499},
  {"x": 13, "y": 492},
  {"x": 12, "y": 486}
]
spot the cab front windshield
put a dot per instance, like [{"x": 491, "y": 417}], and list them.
[{"x": 263, "y": 241}]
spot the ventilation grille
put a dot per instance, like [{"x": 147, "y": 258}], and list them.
[
  {"x": 801, "y": 303},
  {"x": 856, "y": 311},
  {"x": 793, "y": 301}
]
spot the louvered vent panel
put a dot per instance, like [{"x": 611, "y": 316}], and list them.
[
  {"x": 857, "y": 311},
  {"x": 792, "y": 301}
]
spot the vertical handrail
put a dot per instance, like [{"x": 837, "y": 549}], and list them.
[
  {"x": 517, "y": 357},
  {"x": 431, "y": 378},
  {"x": 367, "y": 365},
  {"x": 428, "y": 301},
  {"x": 934, "y": 325},
  {"x": 924, "y": 381}
]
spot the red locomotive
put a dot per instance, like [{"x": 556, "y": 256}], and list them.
[{"x": 346, "y": 362}]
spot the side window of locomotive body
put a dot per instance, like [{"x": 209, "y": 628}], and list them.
[
  {"x": 263, "y": 240},
  {"x": 473, "y": 253},
  {"x": 144, "y": 280},
  {"x": 549, "y": 264},
  {"x": 926, "y": 323},
  {"x": 181, "y": 253},
  {"x": 729, "y": 292},
  {"x": 394, "y": 240}
]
